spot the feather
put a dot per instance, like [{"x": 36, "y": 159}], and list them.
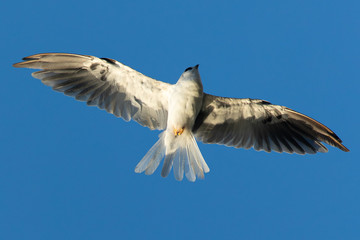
[
  {"x": 95, "y": 81},
  {"x": 261, "y": 125}
]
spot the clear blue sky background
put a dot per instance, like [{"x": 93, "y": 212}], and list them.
[{"x": 67, "y": 170}]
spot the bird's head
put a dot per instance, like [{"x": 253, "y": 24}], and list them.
[{"x": 192, "y": 74}]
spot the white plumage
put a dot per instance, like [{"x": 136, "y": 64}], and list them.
[{"x": 183, "y": 110}]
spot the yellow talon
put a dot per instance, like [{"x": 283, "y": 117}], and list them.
[{"x": 178, "y": 132}]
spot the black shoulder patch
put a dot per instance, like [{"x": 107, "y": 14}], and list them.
[
  {"x": 265, "y": 102},
  {"x": 109, "y": 60}
]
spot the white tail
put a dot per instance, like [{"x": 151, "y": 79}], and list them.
[{"x": 181, "y": 152}]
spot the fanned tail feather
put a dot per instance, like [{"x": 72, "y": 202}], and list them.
[{"x": 183, "y": 156}]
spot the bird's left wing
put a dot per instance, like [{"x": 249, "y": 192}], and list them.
[
  {"x": 259, "y": 124},
  {"x": 105, "y": 83}
]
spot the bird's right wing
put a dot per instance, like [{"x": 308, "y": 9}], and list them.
[
  {"x": 105, "y": 83},
  {"x": 259, "y": 124}
]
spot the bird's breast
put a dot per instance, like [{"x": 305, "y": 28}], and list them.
[{"x": 184, "y": 105}]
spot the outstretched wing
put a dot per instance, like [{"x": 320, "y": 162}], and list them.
[
  {"x": 105, "y": 83},
  {"x": 246, "y": 123}
]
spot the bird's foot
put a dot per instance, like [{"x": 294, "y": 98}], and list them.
[{"x": 178, "y": 132}]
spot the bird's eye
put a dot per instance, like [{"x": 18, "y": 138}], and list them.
[{"x": 189, "y": 68}]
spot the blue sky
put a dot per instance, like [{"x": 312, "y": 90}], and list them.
[{"x": 67, "y": 170}]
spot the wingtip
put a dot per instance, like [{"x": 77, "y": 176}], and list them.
[
  {"x": 329, "y": 136},
  {"x": 25, "y": 59},
  {"x": 26, "y": 64},
  {"x": 38, "y": 56},
  {"x": 18, "y": 65},
  {"x": 32, "y": 57},
  {"x": 345, "y": 149}
]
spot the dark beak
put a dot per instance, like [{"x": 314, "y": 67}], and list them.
[{"x": 197, "y": 66}]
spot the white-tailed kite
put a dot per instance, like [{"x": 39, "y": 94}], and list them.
[{"x": 183, "y": 110}]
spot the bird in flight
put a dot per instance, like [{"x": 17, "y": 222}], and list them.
[{"x": 182, "y": 110}]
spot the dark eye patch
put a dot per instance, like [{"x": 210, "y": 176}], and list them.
[{"x": 189, "y": 68}]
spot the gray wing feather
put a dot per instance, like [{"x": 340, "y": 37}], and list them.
[
  {"x": 246, "y": 123},
  {"x": 105, "y": 83}
]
